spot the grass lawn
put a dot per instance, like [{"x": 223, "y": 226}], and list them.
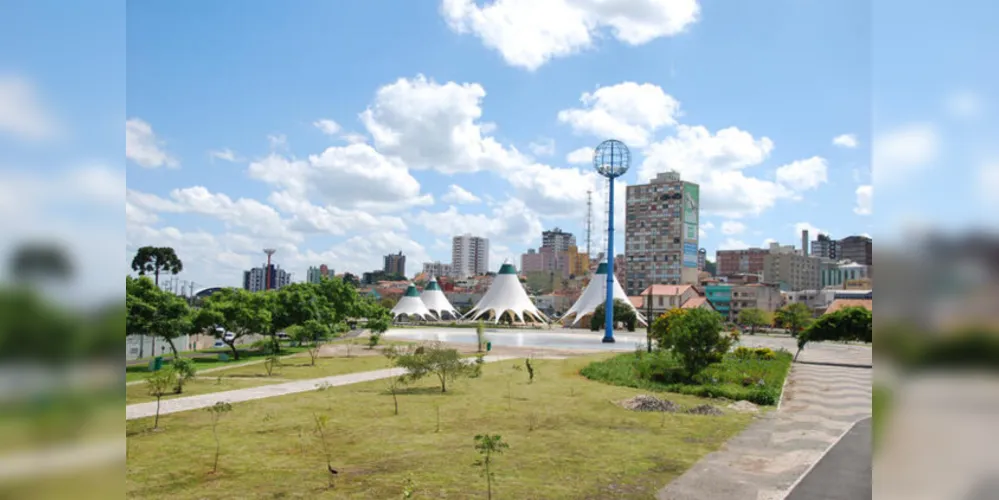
[
  {"x": 203, "y": 362},
  {"x": 567, "y": 437},
  {"x": 733, "y": 378},
  {"x": 240, "y": 377}
]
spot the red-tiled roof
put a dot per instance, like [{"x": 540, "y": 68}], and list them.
[
  {"x": 666, "y": 290},
  {"x": 842, "y": 303},
  {"x": 638, "y": 302},
  {"x": 694, "y": 303}
]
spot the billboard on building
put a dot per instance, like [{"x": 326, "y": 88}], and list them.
[
  {"x": 690, "y": 255},
  {"x": 691, "y": 208}
]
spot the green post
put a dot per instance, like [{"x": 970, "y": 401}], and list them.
[{"x": 489, "y": 346}]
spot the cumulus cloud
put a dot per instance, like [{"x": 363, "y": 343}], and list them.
[
  {"x": 224, "y": 154},
  {"x": 865, "y": 200},
  {"x": 581, "y": 156},
  {"x": 628, "y": 111},
  {"x": 327, "y": 126},
  {"x": 543, "y": 147},
  {"x": 459, "y": 195},
  {"x": 143, "y": 148},
  {"x": 848, "y": 141},
  {"x": 22, "y": 113},
  {"x": 903, "y": 151},
  {"x": 803, "y": 175}
]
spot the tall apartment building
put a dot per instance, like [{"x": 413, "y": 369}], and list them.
[
  {"x": 825, "y": 247},
  {"x": 316, "y": 274},
  {"x": 469, "y": 256},
  {"x": 742, "y": 261},
  {"x": 437, "y": 268},
  {"x": 859, "y": 249},
  {"x": 558, "y": 240},
  {"x": 661, "y": 233},
  {"x": 254, "y": 280},
  {"x": 702, "y": 259},
  {"x": 395, "y": 263},
  {"x": 791, "y": 270}
]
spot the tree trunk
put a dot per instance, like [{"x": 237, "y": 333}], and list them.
[
  {"x": 235, "y": 353},
  {"x": 443, "y": 382},
  {"x": 489, "y": 481},
  {"x": 796, "y": 355},
  {"x": 173, "y": 348},
  {"x": 156, "y": 420},
  {"x": 395, "y": 401}
]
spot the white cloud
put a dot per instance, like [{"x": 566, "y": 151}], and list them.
[
  {"x": 628, "y": 111},
  {"x": 803, "y": 175},
  {"x": 904, "y": 151},
  {"x": 543, "y": 147},
  {"x": 529, "y": 33},
  {"x": 510, "y": 221},
  {"x": 581, "y": 156},
  {"x": 731, "y": 227},
  {"x": 716, "y": 161},
  {"x": 848, "y": 141},
  {"x": 22, "y": 113},
  {"x": 732, "y": 244},
  {"x": 964, "y": 104},
  {"x": 354, "y": 138},
  {"x": 812, "y": 232},
  {"x": 278, "y": 141},
  {"x": 309, "y": 218},
  {"x": 327, "y": 126},
  {"x": 458, "y": 194},
  {"x": 142, "y": 146},
  {"x": 865, "y": 200},
  {"x": 767, "y": 242},
  {"x": 224, "y": 154},
  {"x": 25, "y": 194}
]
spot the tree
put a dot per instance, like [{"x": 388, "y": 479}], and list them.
[
  {"x": 794, "y": 317},
  {"x": 216, "y": 411},
  {"x": 160, "y": 384},
  {"x": 313, "y": 334},
  {"x": 234, "y": 311},
  {"x": 696, "y": 339},
  {"x": 156, "y": 260},
  {"x": 434, "y": 359},
  {"x": 295, "y": 304},
  {"x": 487, "y": 446},
  {"x": 623, "y": 313},
  {"x": 34, "y": 262},
  {"x": 183, "y": 369},
  {"x": 151, "y": 311},
  {"x": 753, "y": 318},
  {"x": 847, "y": 324},
  {"x": 660, "y": 327}
]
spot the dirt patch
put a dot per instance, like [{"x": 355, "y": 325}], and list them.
[
  {"x": 744, "y": 407},
  {"x": 705, "y": 410},
  {"x": 645, "y": 402}
]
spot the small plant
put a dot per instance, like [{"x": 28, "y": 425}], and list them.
[
  {"x": 350, "y": 347},
  {"x": 321, "y": 422},
  {"x": 410, "y": 488},
  {"x": 271, "y": 364},
  {"x": 532, "y": 421},
  {"x": 487, "y": 446},
  {"x": 160, "y": 384},
  {"x": 480, "y": 334},
  {"x": 530, "y": 370},
  {"x": 434, "y": 359},
  {"x": 373, "y": 340},
  {"x": 218, "y": 380},
  {"x": 216, "y": 411},
  {"x": 184, "y": 369},
  {"x": 393, "y": 387},
  {"x": 438, "y": 408}
]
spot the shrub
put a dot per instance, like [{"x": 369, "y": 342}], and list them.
[
  {"x": 660, "y": 327},
  {"x": 183, "y": 369},
  {"x": 696, "y": 339},
  {"x": 623, "y": 313},
  {"x": 746, "y": 353},
  {"x": 434, "y": 359}
]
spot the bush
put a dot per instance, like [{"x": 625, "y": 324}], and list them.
[
  {"x": 747, "y": 353},
  {"x": 696, "y": 339},
  {"x": 660, "y": 327},
  {"x": 623, "y": 313}
]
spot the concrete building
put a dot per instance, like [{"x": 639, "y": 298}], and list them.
[
  {"x": 702, "y": 259},
  {"x": 469, "y": 256},
  {"x": 395, "y": 264},
  {"x": 254, "y": 280},
  {"x": 666, "y": 297},
  {"x": 661, "y": 232},
  {"x": 837, "y": 275},
  {"x": 859, "y": 249},
  {"x": 730, "y": 300},
  {"x": 791, "y": 270},
  {"x": 316, "y": 274},
  {"x": 558, "y": 240},
  {"x": 743, "y": 261},
  {"x": 825, "y": 247},
  {"x": 437, "y": 269}
]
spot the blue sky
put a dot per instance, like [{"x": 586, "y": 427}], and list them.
[{"x": 222, "y": 98}]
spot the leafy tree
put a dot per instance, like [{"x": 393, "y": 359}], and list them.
[
  {"x": 433, "y": 359},
  {"x": 183, "y": 369},
  {"x": 216, "y": 411},
  {"x": 33, "y": 262},
  {"x": 795, "y": 317},
  {"x": 696, "y": 339},
  {"x": 35, "y": 329},
  {"x": 156, "y": 260},
  {"x": 623, "y": 313},
  {"x": 313, "y": 334},
  {"x": 151, "y": 311},
  {"x": 661, "y": 327},
  {"x": 351, "y": 280},
  {"x": 753, "y": 318},
  {"x": 487, "y": 446},
  {"x": 294, "y": 304},
  {"x": 236, "y": 311},
  {"x": 387, "y": 302},
  {"x": 847, "y": 324},
  {"x": 160, "y": 384}
]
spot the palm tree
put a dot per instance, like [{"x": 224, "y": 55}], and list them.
[{"x": 156, "y": 259}]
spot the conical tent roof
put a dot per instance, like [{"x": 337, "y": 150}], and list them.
[
  {"x": 596, "y": 294},
  {"x": 411, "y": 305},
  {"x": 435, "y": 300},
  {"x": 506, "y": 294}
]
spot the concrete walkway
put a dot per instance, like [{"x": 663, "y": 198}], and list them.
[
  {"x": 765, "y": 461},
  {"x": 844, "y": 473},
  {"x": 175, "y": 405}
]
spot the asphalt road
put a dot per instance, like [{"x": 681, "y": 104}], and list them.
[{"x": 844, "y": 473}]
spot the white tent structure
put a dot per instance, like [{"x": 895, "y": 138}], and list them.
[
  {"x": 594, "y": 295},
  {"x": 506, "y": 295},
  {"x": 411, "y": 306},
  {"x": 433, "y": 297}
]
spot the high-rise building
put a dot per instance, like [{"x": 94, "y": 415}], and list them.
[
  {"x": 469, "y": 256},
  {"x": 255, "y": 280},
  {"x": 557, "y": 239},
  {"x": 859, "y": 249},
  {"x": 661, "y": 232},
  {"x": 825, "y": 247},
  {"x": 316, "y": 274},
  {"x": 702, "y": 259},
  {"x": 437, "y": 269},
  {"x": 791, "y": 270},
  {"x": 395, "y": 263}
]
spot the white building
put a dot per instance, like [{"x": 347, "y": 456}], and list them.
[
  {"x": 437, "y": 268},
  {"x": 469, "y": 256}
]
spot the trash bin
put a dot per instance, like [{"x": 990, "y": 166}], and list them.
[
  {"x": 489, "y": 346},
  {"x": 156, "y": 364},
  {"x": 223, "y": 356}
]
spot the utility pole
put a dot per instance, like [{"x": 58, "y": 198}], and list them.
[{"x": 589, "y": 221}]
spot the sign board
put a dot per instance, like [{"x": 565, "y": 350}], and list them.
[{"x": 690, "y": 255}]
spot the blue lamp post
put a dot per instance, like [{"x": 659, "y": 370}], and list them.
[{"x": 611, "y": 159}]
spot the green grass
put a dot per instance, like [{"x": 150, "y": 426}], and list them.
[
  {"x": 240, "y": 377},
  {"x": 203, "y": 362},
  {"x": 568, "y": 439},
  {"x": 733, "y": 378}
]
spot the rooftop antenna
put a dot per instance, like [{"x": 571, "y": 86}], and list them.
[{"x": 267, "y": 270}]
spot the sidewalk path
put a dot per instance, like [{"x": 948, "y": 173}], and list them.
[
  {"x": 167, "y": 406},
  {"x": 820, "y": 403},
  {"x": 844, "y": 473}
]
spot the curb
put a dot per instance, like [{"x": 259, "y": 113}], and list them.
[
  {"x": 798, "y": 481},
  {"x": 783, "y": 388}
]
